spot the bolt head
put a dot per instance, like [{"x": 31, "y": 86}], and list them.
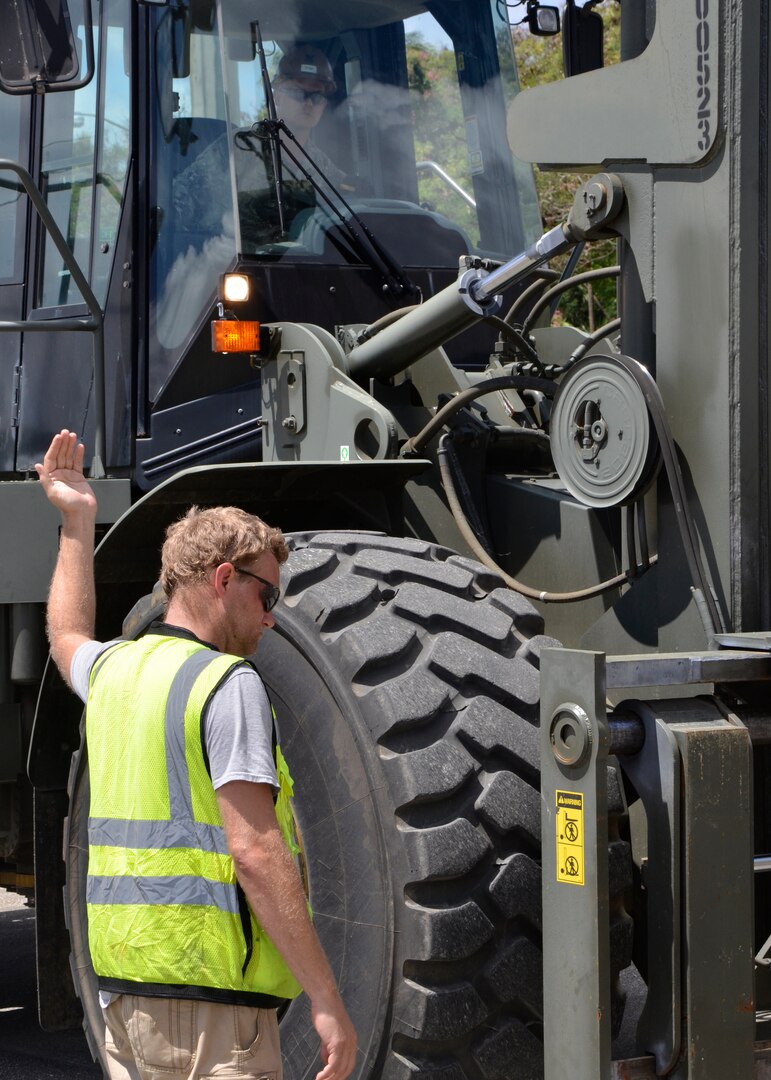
[
  {"x": 594, "y": 198},
  {"x": 570, "y": 735}
]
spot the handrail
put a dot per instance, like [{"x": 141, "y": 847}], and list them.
[
  {"x": 434, "y": 167},
  {"x": 94, "y": 324}
]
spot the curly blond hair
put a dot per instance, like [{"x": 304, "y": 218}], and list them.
[{"x": 203, "y": 539}]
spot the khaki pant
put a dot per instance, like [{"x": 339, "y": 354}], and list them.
[{"x": 151, "y": 1038}]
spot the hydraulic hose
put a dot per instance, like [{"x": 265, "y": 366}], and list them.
[
  {"x": 381, "y": 323},
  {"x": 457, "y": 402},
  {"x": 702, "y": 592},
  {"x": 561, "y": 286},
  {"x": 512, "y": 334},
  {"x": 444, "y": 455},
  {"x": 581, "y": 350},
  {"x": 544, "y": 276},
  {"x": 469, "y": 519},
  {"x": 567, "y": 272}
]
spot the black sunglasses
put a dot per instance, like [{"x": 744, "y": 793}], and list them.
[
  {"x": 270, "y": 593},
  {"x": 301, "y": 96}
]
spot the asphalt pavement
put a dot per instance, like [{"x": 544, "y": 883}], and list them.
[{"x": 27, "y": 1052}]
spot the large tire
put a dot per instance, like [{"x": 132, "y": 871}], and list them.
[
  {"x": 76, "y": 862},
  {"x": 405, "y": 682}
]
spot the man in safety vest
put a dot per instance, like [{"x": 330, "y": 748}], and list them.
[{"x": 198, "y": 923}]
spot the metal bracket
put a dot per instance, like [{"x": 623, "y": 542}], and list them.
[
  {"x": 717, "y": 898},
  {"x": 694, "y": 776},
  {"x": 16, "y": 396},
  {"x": 290, "y": 383},
  {"x": 346, "y": 423},
  {"x": 574, "y": 831},
  {"x": 655, "y": 773}
]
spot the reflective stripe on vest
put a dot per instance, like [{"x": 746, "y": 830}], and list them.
[{"x": 164, "y": 905}]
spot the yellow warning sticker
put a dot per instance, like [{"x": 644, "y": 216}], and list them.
[{"x": 570, "y": 837}]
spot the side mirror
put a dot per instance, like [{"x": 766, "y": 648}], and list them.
[
  {"x": 180, "y": 41},
  {"x": 543, "y": 20},
  {"x": 582, "y": 39},
  {"x": 38, "y": 49},
  {"x": 186, "y": 16}
]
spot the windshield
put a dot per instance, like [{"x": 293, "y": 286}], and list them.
[{"x": 392, "y": 122}]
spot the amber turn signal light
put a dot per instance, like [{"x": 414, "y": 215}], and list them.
[{"x": 233, "y": 336}]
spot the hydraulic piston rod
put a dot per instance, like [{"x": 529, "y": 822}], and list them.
[{"x": 476, "y": 293}]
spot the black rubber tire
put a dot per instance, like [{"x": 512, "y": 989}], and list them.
[
  {"x": 405, "y": 682},
  {"x": 76, "y": 863}
]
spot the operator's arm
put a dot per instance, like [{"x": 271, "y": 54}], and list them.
[
  {"x": 272, "y": 885},
  {"x": 71, "y": 599}
]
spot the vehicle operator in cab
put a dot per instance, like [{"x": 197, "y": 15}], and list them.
[
  {"x": 301, "y": 87},
  {"x": 301, "y": 90}
]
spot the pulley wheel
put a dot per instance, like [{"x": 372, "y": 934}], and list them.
[{"x": 602, "y": 441}]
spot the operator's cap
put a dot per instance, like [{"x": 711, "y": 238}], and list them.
[{"x": 307, "y": 62}]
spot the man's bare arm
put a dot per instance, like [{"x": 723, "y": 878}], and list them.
[
  {"x": 71, "y": 597},
  {"x": 274, "y": 891}
]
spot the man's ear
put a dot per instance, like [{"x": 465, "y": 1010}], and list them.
[{"x": 223, "y": 577}]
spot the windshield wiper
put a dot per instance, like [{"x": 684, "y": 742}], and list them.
[
  {"x": 275, "y": 144},
  {"x": 366, "y": 244}
]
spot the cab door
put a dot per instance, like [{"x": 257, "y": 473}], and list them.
[
  {"x": 82, "y": 169},
  {"x": 15, "y": 146}
]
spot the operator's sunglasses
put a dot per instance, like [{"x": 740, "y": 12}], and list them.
[
  {"x": 270, "y": 592},
  {"x": 296, "y": 94}
]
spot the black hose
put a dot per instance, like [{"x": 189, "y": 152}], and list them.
[
  {"x": 457, "y": 402},
  {"x": 544, "y": 277},
  {"x": 384, "y": 321},
  {"x": 466, "y": 531},
  {"x": 512, "y": 334},
  {"x": 701, "y": 589},
  {"x": 562, "y": 286},
  {"x": 588, "y": 342},
  {"x": 567, "y": 272},
  {"x": 461, "y": 492}
]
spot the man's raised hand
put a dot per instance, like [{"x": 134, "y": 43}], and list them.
[{"x": 61, "y": 475}]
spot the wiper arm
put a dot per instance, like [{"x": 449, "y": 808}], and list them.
[
  {"x": 369, "y": 248},
  {"x": 275, "y": 143}
]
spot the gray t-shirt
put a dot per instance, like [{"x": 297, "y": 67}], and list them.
[{"x": 238, "y": 725}]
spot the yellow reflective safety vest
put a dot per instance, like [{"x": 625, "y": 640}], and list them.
[{"x": 166, "y": 915}]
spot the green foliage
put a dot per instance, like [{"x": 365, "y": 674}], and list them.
[
  {"x": 439, "y": 129},
  {"x": 539, "y": 61}
]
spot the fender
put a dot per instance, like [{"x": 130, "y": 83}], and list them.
[{"x": 301, "y": 496}]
